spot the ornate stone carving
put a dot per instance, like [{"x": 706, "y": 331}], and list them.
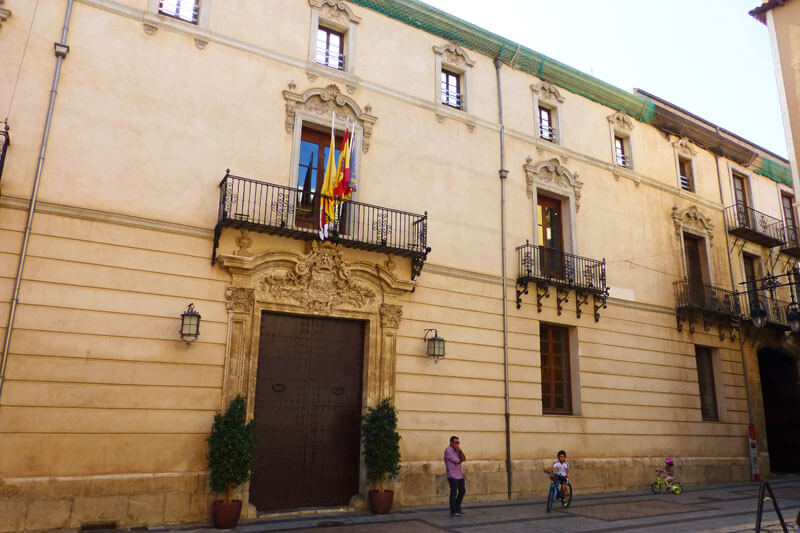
[
  {"x": 621, "y": 122},
  {"x": 391, "y": 315},
  {"x": 691, "y": 217},
  {"x": 454, "y": 56},
  {"x": 320, "y": 282},
  {"x": 552, "y": 173},
  {"x": 335, "y": 11},
  {"x": 243, "y": 241},
  {"x": 239, "y": 299},
  {"x": 323, "y": 101},
  {"x": 684, "y": 147},
  {"x": 548, "y": 92},
  {"x": 4, "y": 13}
]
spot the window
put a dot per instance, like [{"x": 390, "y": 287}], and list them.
[
  {"x": 686, "y": 175},
  {"x": 696, "y": 269},
  {"x": 621, "y": 152},
  {"x": 556, "y": 377},
  {"x": 333, "y": 29},
  {"x": 451, "y": 89},
  {"x": 329, "y": 48},
  {"x": 314, "y": 150},
  {"x": 547, "y": 130},
  {"x": 705, "y": 379},
  {"x": 187, "y": 10},
  {"x": 740, "y": 200},
  {"x": 453, "y": 75},
  {"x": 788, "y": 219}
]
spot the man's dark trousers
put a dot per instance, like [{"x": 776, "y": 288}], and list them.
[{"x": 457, "y": 490}]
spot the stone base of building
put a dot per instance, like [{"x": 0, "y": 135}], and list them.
[
  {"x": 425, "y": 483},
  {"x": 125, "y": 500},
  {"x": 173, "y": 498}
]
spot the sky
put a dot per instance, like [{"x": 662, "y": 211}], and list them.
[{"x": 707, "y": 56}]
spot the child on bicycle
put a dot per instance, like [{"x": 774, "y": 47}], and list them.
[
  {"x": 668, "y": 474},
  {"x": 561, "y": 469}
]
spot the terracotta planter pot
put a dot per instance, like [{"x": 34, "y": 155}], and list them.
[
  {"x": 381, "y": 502},
  {"x": 226, "y": 515}
]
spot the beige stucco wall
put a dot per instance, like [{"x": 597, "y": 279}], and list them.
[{"x": 104, "y": 411}]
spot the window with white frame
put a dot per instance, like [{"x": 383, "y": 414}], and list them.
[
  {"x": 191, "y": 11},
  {"x": 621, "y": 151},
  {"x": 684, "y": 163},
  {"x": 453, "y": 76},
  {"x": 686, "y": 174},
  {"x": 546, "y": 103},
  {"x": 332, "y": 38}
]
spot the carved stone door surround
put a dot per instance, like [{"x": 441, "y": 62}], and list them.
[{"x": 319, "y": 282}]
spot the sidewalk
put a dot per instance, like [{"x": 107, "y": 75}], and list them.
[{"x": 728, "y": 508}]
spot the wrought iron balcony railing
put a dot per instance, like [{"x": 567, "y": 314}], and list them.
[
  {"x": 547, "y": 266},
  {"x": 281, "y": 210},
  {"x": 791, "y": 241},
  {"x": 776, "y": 310},
  {"x": 747, "y": 223},
  {"x": 707, "y": 299}
]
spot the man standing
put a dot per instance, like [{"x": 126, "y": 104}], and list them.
[{"x": 453, "y": 457}]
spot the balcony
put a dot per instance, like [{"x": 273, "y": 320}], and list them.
[
  {"x": 752, "y": 225},
  {"x": 776, "y": 310},
  {"x": 548, "y": 267},
  {"x": 710, "y": 302},
  {"x": 791, "y": 244},
  {"x": 279, "y": 210}
]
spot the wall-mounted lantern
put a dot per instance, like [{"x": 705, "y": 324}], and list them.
[
  {"x": 435, "y": 344},
  {"x": 758, "y": 314},
  {"x": 190, "y": 324}
]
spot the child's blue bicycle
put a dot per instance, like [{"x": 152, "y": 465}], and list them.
[{"x": 556, "y": 493}]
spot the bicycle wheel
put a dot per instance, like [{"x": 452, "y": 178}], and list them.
[
  {"x": 566, "y": 495},
  {"x": 655, "y": 487},
  {"x": 676, "y": 488},
  {"x": 551, "y": 496}
]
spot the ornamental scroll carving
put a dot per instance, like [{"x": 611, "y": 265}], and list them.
[
  {"x": 4, "y": 13},
  {"x": 621, "y": 122},
  {"x": 323, "y": 102},
  {"x": 335, "y": 11},
  {"x": 391, "y": 315},
  {"x": 684, "y": 147},
  {"x": 548, "y": 92},
  {"x": 692, "y": 218},
  {"x": 239, "y": 299},
  {"x": 319, "y": 283},
  {"x": 552, "y": 174},
  {"x": 454, "y": 56}
]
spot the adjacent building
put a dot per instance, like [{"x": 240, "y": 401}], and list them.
[{"x": 590, "y": 257}]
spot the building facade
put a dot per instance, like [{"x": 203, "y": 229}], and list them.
[{"x": 590, "y": 257}]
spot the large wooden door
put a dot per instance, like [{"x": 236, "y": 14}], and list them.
[
  {"x": 307, "y": 412},
  {"x": 695, "y": 270}
]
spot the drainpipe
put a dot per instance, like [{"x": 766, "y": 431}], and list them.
[
  {"x": 61, "y": 51},
  {"x": 753, "y": 468},
  {"x": 503, "y": 175}
]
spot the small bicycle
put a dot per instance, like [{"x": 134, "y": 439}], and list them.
[
  {"x": 674, "y": 487},
  {"x": 555, "y": 492}
]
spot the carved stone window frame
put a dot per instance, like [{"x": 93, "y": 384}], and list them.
[
  {"x": 692, "y": 221},
  {"x": 453, "y": 58},
  {"x": 316, "y": 106},
  {"x": 319, "y": 282},
  {"x": 334, "y": 15},
  {"x": 621, "y": 125},
  {"x": 547, "y": 95},
  {"x": 556, "y": 181},
  {"x": 683, "y": 149}
]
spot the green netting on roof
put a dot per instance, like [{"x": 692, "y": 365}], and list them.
[
  {"x": 776, "y": 171},
  {"x": 441, "y": 24}
]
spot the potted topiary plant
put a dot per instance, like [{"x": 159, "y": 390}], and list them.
[
  {"x": 231, "y": 454},
  {"x": 381, "y": 453}
]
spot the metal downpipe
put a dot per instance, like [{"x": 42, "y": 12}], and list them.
[
  {"x": 503, "y": 175},
  {"x": 61, "y": 50}
]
